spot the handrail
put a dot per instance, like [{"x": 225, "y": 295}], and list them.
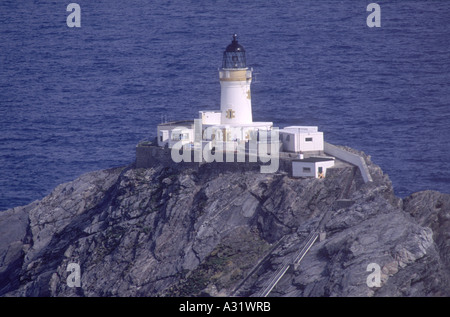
[
  {"x": 313, "y": 237},
  {"x": 277, "y": 277},
  {"x": 258, "y": 265},
  {"x": 281, "y": 271}
]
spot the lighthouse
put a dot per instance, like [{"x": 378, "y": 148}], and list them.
[
  {"x": 235, "y": 79},
  {"x": 233, "y": 124},
  {"x": 231, "y": 132}
]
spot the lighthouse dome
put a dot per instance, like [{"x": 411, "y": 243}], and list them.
[
  {"x": 234, "y": 55},
  {"x": 235, "y": 46}
]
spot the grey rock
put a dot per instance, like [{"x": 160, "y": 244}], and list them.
[{"x": 212, "y": 231}]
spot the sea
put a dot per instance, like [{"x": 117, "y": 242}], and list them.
[{"x": 79, "y": 99}]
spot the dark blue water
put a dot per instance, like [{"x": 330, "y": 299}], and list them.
[{"x": 74, "y": 100}]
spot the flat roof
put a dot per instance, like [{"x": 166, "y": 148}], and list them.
[
  {"x": 314, "y": 159},
  {"x": 302, "y": 128},
  {"x": 240, "y": 125},
  {"x": 176, "y": 122}
]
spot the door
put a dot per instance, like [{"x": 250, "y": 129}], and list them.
[{"x": 320, "y": 172}]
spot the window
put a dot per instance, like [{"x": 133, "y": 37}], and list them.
[
  {"x": 160, "y": 138},
  {"x": 306, "y": 170},
  {"x": 308, "y": 139}
]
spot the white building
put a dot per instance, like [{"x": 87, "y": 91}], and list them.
[
  {"x": 172, "y": 132},
  {"x": 312, "y": 166},
  {"x": 301, "y": 139}
]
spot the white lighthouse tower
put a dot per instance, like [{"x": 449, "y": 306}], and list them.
[
  {"x": 233, "y": 124},
  {"x": 235, "y": 79}
]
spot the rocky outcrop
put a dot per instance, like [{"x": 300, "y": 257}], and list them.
[
  {"x": 431, "y": 209},
  {"x": 209, "y": 231}
]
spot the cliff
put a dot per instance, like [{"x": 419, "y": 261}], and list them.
[{"x": 208, "y": 231}]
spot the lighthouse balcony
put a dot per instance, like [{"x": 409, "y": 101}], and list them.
[{"x": 235, "y": 74}]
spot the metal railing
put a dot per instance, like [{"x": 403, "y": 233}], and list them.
[{"x": 287, "y": 264}]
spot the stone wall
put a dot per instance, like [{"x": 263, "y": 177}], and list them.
[{"x": 149, "y": 155}]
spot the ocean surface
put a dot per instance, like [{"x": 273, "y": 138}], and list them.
[{"x": 74, "y": 100}]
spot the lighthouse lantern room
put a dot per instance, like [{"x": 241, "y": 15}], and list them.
[{"x": 235, "y": 79}]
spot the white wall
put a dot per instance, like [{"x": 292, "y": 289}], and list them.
[
  {"x": 298, "y": 169},
  {"x": 210, "y": 117},
  {"x": 163, "y": 137},
  {"x": 288, "y": 140},
  {"x": 235, "y": 95},
  {"x": 298, "y": 140},
  {"x": 350, "y": 158},
  {"x": 173, "y": 136},
  {"x": 315, "y": 145},
  {"x": 324, "y": 165}
]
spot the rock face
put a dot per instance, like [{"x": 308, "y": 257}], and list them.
[{"x": 167, "y": 231}]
